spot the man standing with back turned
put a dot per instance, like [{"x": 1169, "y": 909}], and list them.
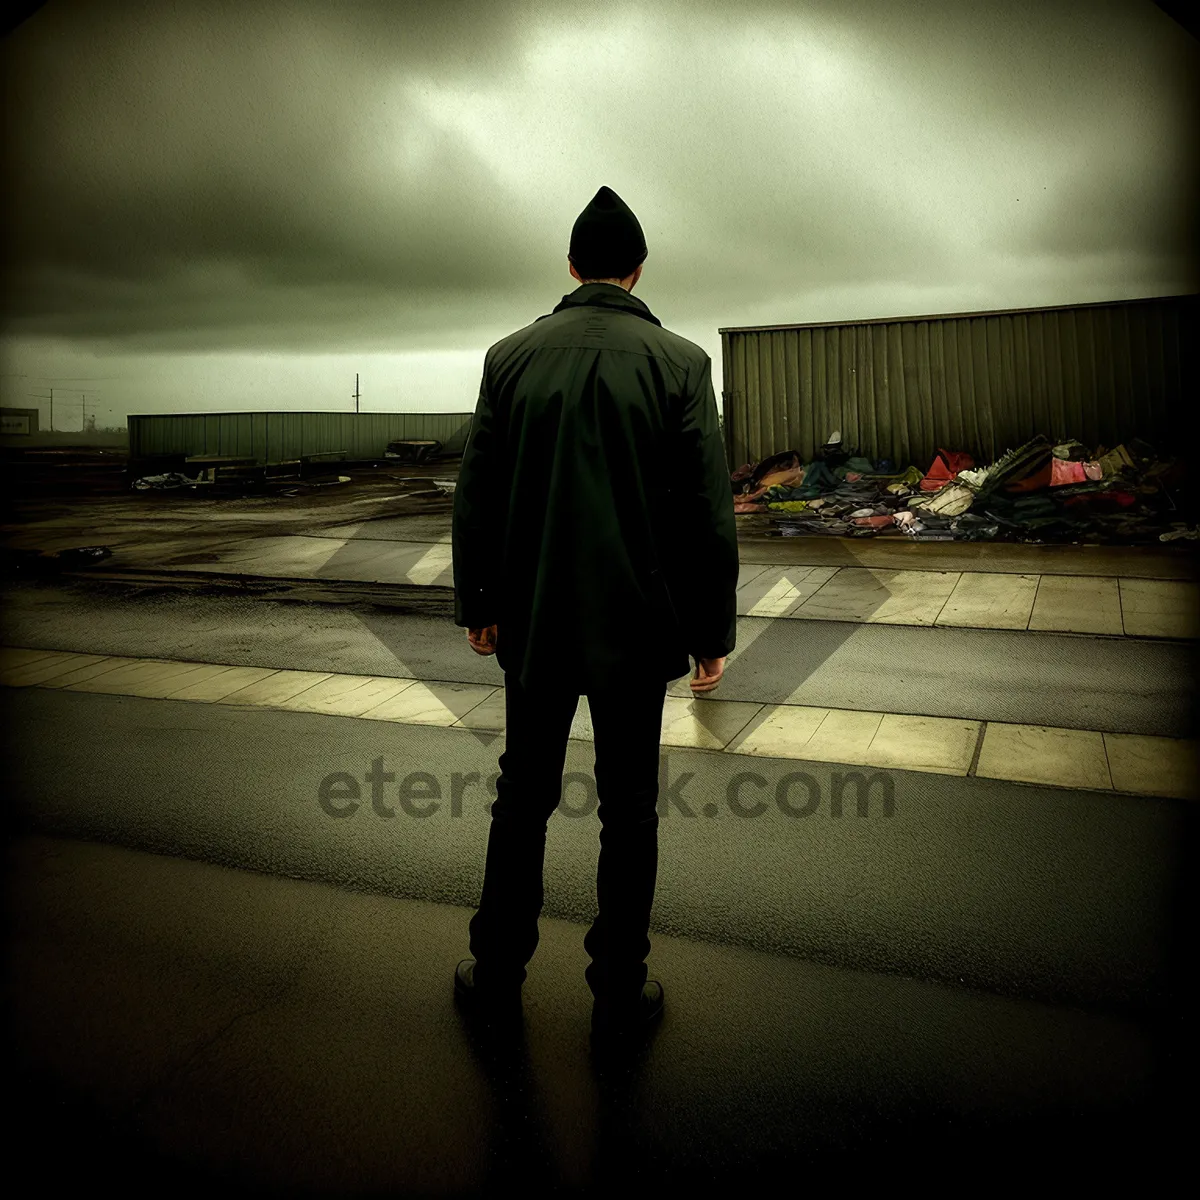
[{"x": 595, "y": 550}]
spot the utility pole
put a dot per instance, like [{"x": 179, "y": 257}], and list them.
[
  {"x": 66, "y": 379},
  {"x": 356, "y": 391}
]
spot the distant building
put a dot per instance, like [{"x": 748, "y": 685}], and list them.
[
  {"x": 18, "y": 421},
  {"x": 274, "y": 437}
]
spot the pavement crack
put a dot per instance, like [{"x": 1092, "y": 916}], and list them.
[{"x": 172, "y": 1072}]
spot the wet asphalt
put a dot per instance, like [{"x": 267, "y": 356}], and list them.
[
  {"x": 1113, "y": 684},
  {"x": 214, "y": 982},
  {"x": 183, "y": 1027}
]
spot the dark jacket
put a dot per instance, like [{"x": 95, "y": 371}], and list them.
[{"x": 593, "y": 514}]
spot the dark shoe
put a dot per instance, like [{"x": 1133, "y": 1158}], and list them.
[
  {"x": 609, "y": 1021},
  {"x": 499, "y": 1006}
]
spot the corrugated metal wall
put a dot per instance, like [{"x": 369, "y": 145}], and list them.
[
  {"x": 273, "y": 437},
  {"x": 981, "y": 382}
]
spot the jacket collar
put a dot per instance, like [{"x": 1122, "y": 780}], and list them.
[{"x": 605, "y": 295}]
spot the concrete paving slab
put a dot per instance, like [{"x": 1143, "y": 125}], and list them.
[
  {"x": 374, "y": 562},
  {"x": 851, "y": 594},
  {"x": 779, "y": 731},
  {"x": 702, "y": 723},
  {"x": 1061, "y": 757},
  {"x": 12, "y": 657},
  {"x": 843, "y": 737},
  {"x": 1160, "y": 608},
  {"x": 1137, "y": 562},
  {"x": 434, "y": 566},
  {"x": 915, "y": 598},
  {"x": 429, "y": 703},
  {"x": 58, "y": 670},
  {"x": 990, "y": 600},
  {"x": 1077, "y": 605},
  {"x": 879, "y": 597},
  {"x": 352, "y": 553},
  {"x": 346, "y": 695},
  {"x": 1154, "y": 766},
  {"x": 145, "y": 677},
  {"x": 159, "y": 685},
  {"x": 749, "y": 571},
  {"x": 222, "y": 682},
  {"x": 778, "y": 591},
  {"x": 937, "y": 744},
  {"x": 276, "y": 688},
  {"x": 488, "y": 714}
]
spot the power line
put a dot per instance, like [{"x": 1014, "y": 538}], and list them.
[{"x": 83, "y": 401}]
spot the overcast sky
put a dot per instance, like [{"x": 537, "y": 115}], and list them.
[{"x": 226, "y": 206}]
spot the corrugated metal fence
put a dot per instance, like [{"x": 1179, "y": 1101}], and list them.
[
  {"x": 982, "y": 382},
  {"x": 273, "y": 437}
]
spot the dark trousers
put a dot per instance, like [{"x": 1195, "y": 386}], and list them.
[{"x": 627, "y": 726}]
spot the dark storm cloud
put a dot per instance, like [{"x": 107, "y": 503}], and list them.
[
  {"x": 216, "y": 167},
  {"x": 301, "y": 176}
]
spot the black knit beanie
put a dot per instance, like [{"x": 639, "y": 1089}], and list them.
[{"x": 606, "y": 240}]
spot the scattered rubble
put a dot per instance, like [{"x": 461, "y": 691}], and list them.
[
  {"x": 414, "y": 450},
  {"x": 1038, "y": 492},
  {"x": 172, "y": 479}
]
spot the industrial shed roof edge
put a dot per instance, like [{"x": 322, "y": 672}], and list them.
[{"x": 999, "y": 312}]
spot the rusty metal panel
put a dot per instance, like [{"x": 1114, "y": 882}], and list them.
[{"x": 901, "y": 388}]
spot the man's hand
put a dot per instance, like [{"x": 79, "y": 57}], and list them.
[
  {"x": 482, "y": 641},
  {"x": 708, "y": 675}
]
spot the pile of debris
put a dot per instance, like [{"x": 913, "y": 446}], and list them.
[
  {"x": 241, "y": 480},
  {"x": 1038, "y": 493}
]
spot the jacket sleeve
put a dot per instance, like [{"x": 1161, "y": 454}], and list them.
[
  {"x": 477, "y": 534},
  {"x": 704, "y": 557}
]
